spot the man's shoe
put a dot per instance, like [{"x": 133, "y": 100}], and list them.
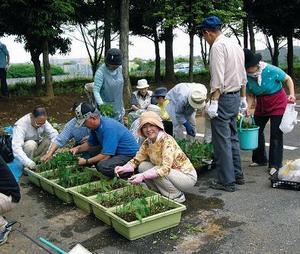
[
  {"x": 240, "y": 180},
  {"x": 218, "y": 186}
]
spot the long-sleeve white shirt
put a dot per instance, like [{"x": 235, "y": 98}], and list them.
[
  {"x": 179, "y": 108},
  {"x": 23, "y": 131},
  {"x": 226, "y": 66}
]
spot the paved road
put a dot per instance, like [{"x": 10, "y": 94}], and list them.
[{"x": 254, "y": 219}]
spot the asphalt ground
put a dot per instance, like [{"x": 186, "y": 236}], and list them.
[{"x": 254, "y": 219}]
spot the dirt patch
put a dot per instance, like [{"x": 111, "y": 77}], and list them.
[{"x": 58, "y": 108}]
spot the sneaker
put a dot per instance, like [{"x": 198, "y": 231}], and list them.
[
  {"x": 272, "y": 171},
  {"x": 254, "y": 164},
  {"x": 240, "y": 180},
  {"x": 180, "y": 199},
  {"x": 218, "y": 186},
  {"x": 4, "y": 235}
]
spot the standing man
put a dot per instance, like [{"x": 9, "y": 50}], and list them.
[
  {"x": 118, "y": 146},
  {"x": 228, "y": 76},
  {"x": 184, "y": 100},
  {"x": 4, "y": 62}
]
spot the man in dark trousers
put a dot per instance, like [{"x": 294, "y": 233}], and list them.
[{"x": 9, "y": 195}]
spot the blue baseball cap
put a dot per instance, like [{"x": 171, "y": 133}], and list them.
[{"x": 210, "y": 22}]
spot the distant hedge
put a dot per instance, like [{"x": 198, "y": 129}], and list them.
[{"x": 27, "y": 70}]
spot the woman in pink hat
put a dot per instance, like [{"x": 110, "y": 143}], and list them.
[{"x": 160, "y": 161}]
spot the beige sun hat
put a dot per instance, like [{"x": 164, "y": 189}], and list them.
[
  {"x": 142, "y": 83},
  {"x": 152, "y": 118},
  {"x": 197, "y": 97}
]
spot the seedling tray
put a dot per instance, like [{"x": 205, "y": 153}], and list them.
[
  {"x": 33, "y": 177},
  {"x": 82, "y": 201},
  {"x": 148, "y": 225},
  {"x": 100, "y": 211},
  {"x": 282, "y": 184}
]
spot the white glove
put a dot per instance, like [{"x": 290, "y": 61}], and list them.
[
  {"x": 212, "y": 109},
  {"x": 31, "y": 165},
  {"x": 243, "y": 104}
]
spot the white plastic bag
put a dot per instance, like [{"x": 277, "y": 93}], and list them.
[
  {"x": 290, "y": 171},
  {"x": 289, "y": 119}
]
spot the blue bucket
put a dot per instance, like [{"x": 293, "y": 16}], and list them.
[{"x": 248, "y": 136}]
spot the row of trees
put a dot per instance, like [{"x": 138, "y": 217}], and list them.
[{"x": 42, "y": 25}]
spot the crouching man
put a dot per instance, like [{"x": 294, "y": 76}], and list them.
[
  {"x": 32, "y": 135},
  {"x": 118, "y": 145}
]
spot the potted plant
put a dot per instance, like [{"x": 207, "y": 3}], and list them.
[
  {"x": 198, "y": 153},
  {"x": 143, "y": 217}
]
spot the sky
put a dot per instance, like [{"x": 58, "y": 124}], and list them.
[{"x": 140, "y": 47}]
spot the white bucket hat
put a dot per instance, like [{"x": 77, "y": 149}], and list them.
[
  {"x": 197, "y": 97},
  {"x": 142, "y": 83}
]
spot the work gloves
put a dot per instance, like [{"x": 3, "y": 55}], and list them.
[
  {"x": 147, "y": 175},
  {"x": 211, "y": 108},
  {"x": 243, "y": 104},
  {"x": 189, "y": 129},
  {"x": 127, "y": 168},
  {"x": 31, "y": 165}
]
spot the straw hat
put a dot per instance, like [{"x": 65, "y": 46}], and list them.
[
  {"x": 152, "y": 118},
  {"x": 142, "y": 83}
]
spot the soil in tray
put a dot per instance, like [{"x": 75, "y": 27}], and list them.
[
  {"x": 102, "y": 187},
  {"x": 140, "y": 208},
  {"x": 122, "y": 197}
]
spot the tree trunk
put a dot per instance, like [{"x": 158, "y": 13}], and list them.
[
  {"x": 169, "y": 75},
  {"x": 157, "y": 57},
  {"x": 107, "y": 26},
  {"x": 245, "y": 32},
  {"x": 47, "y": 70},
  {"x": 275, "y": 51},
  {"x": 290, "y": 54},
  {"x": 203, "y": 52},
  {"x": 124, "y": 43},
  {"x": 37, "y": 69},
  {"x": 251, "y": 33},
  {"x": 191, "y": 59}
]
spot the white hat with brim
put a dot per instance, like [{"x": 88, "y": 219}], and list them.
[
  {"x": 197, "y": 98},
  {"x": 142, "y": 83}
]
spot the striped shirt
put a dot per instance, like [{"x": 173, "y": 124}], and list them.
[{"x": 69, "y": 132}]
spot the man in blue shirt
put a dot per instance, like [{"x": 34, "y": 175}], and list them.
[
  {"x": 4, "y": 62},
  {"x": 117, "y": 143}
]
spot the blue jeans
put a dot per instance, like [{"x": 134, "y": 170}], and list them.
[{"x": 225, "y": 140}]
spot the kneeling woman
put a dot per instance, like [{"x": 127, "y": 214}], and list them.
[{"x": 161, "y": 163}]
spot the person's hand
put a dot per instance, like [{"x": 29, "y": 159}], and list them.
[
  {"x": 136, "y": 179},
  {"x": 127, "y": 168},
  {"x": 212, "y": 109},
  {"x": 31, "y": 165},
  {"x": 74, "y": 150},
  {"x": 7, "y": 67},
  {"x": 150, "y": 174},
  {"x": 82, "y": 162},
  {"x": 243, "y": 104},
  {"x": 84, "y": 139},
  {"x": 46, "y": 157},
  {"x": 291, "y": 98},
  {"x": 189, "y": 129}
]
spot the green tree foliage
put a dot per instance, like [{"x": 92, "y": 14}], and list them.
[{"x": 37, "y": 19}]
